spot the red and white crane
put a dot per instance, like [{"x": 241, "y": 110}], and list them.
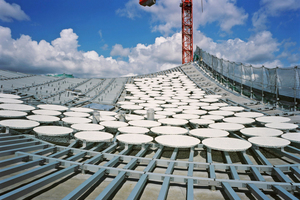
[{"x": 187, "y": 27}]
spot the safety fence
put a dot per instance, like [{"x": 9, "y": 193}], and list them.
[{"x": 277, "y": 86}]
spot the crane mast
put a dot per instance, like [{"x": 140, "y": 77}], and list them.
[
  {"x": 187, "y": 27},
  {"x": 187, "y": 31}
]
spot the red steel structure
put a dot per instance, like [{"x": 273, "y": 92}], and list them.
[
  {"x": 187, "y": 27},
  {"x": 187, "y": 31}
]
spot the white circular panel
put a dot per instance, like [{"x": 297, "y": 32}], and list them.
[
  {"x": 169, "y": 130},
  {"x": 293, "y": 137},
  {"x": 177, "y": 141},
  {"x": 133, "y": 130},
  {"x": 19, "y": 123},
  {"x": 135, "y": 139},
  {"x": 52, "y": 107},
  {"x": 227, "y": 144},
  {"x": 53, "y": 130},
  {"x": 269, "y": 142},
  {"x": 144, "y": 123},
  {"x": 208, "y": 133},
  {"x": 43, "y": 118},
  {"x": 46, "y": 112},
  {"x": 18, "y": 107},
  {"x": 282, "y": 126},
  {"x": 261, "y": 132},
  {"x": 227, "y": 126},
  {"x": 76, "y": 120},
  {"x": 173, "y": 121},
  {"x": 12, "y": 114},
  {"x": 94, "y": 136},
  {"x": 87, "y": 127}
]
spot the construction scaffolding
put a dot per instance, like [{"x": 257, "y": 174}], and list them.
[{"x": 276, "y": 86}]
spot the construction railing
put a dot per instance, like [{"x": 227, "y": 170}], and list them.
[{"x": 276, "y": 86}]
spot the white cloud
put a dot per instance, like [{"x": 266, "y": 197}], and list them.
[
  {"x": 104, "y": 47},
  {"x": 258, "y": 49},
  {"x": 9, "y": 12},
  {"x": 225, "y": 12},
  {"x": 276, "y": 7},
  {"x": 128, "y": 11},
  {"x": 167, "y": 14},
  {"x": 67, "y": 42},
  {"x": 130, "y": 74},
  {"x": 118, "y": 50},
  {"x": 100, "y": 33},
  {"x": 290, "y": 52},
  {"x": 62, "y": 54},
  {"x": 271, "y": 8},
  {"x": 270, "y": 64}
]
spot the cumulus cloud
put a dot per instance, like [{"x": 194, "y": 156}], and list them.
[
  {"x": 166, "y": 14},
  {"x": 270, "y": 64},
  {"x": 128, "y": 11},
  {"x": 10, "y": 12},
  {"x": 258, "y": 49},
  {"x": 276, "y": 7},
  {"x": 272, "y": 8},
  {"x": 62, "y": 55},
  {"x": 118, "y": 50}
]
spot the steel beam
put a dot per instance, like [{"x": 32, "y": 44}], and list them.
[
  {"x": 289, "y": 155},
  {"x": 190, "y": 182},
  {"x": 77, "y": 156},
  {"x": 25, "y": 175},
  {"x": 95, "y": 177},
  {"x": 23, "y": 149},
  {"x": 97, "y": 147},
  {"x": 257, "y": 192},
  {"x": 23, "y": 166},
  {"x": 110, "y": 148},
  {"x": 50, "y": 149},
  {"x": 4, "y": 137},
  {"x": 211, "y": 168},
  {"x": 280, "y": 175},
  {"x": 233, "y": 171},
  {"x": 81, "y": 189},
  {"x": 262, "y": 158},
  {"x": 106, "y": 193},
  {"x": 230, "y": 192},
  {"x": 60, "y": 153},
  {"x": 283, "y": 193},
  {"x": 140, "y": 185},
  {"x": 20, "y": 192},
  {"x": 296, "y": 171},
  {"x": 166, "y": 183},
  {"x": 18, "y": 145},
  {"x": 13, "y": 160},
  {"x": 14, "y": 141},
  {"x": 253, "y": 170},
  {"x": 94, "y": 159}
]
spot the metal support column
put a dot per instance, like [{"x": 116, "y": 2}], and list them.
[
  {"x": 166, "y": 183},
  {"x": 233, "y": 171},
  {"x": 20, "y": 192},
  {"x": 135, "y": 193},
  {"x": 114, "y": 184},
  {"x": 230, "y": 192},
  {"x": 81, "y": 189},
  {"x": 257, "y": 192},
  {"x": 283, "y": 193},
  {"x": 190, "y": 182}
]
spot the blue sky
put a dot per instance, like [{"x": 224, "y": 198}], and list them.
[{"x": 95, "y": 38}]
